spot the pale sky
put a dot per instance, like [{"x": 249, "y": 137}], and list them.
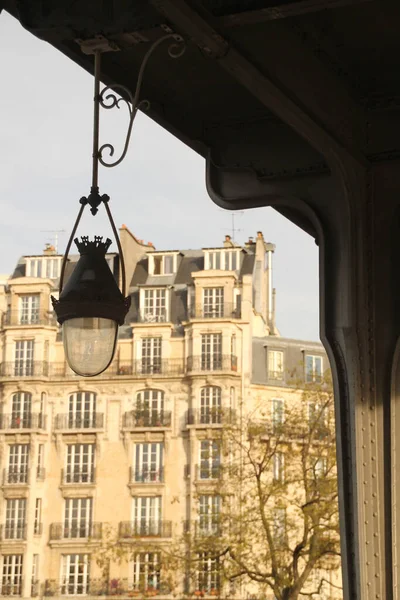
[{"x": 158, "y": 191}]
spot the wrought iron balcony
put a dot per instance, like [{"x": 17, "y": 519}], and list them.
[
  {"x": 146, "y": 475},
  {"x": 101, "y": 587},
  {"x": 211, "y": 416},
  {"x": 76, "y": 421},
  {"x": 156, "y": 315},
  {"x": 24, "y": 421},
  {"x": 146, "y": 418},
  {"x": 216, "y": 362},
  {"x": 26, "y": 368},
  {"x": 71, "y": 477},
  {"x": 207, "y": 472},
  {"x": 11, "y": 586},
  {"x": 60, "y": 531},
  {"x": 13, "y": 531},
  {"x": 217, "y": 311},
  {"x": 134, "y": 529},
  {"x": 35, "y": 317},
  {"x": 169, "y": 367},
  {"x": 206, "y": 526},
  {"x": 15, "y": 476}
]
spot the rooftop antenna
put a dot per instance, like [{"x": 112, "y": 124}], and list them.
[
  {"x": 55, "y": 232},
  {"x": 234, "y": 229}
]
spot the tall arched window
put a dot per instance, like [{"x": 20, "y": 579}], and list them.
[
  {"x": 21, "y": 410},
  {"x": 150, "y": 408},
  {"x": 210, "y": 405},
  {"x": 82, "y": 410}
]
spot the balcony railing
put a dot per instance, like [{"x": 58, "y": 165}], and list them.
[
  {"x": 24, "y": 421},
  {"x": 208, "y": 472},
  {"x": 112, "y": 587},
  {"x": 217, "y": 311},
  {"x": 15, "y": 476},
  {"x": 11, "y": 586},
  {"x": 60, "y": 531},
  {"x": 146, "y": 475},
  {"x": 211, "y": 416},
  {"x": 27, "y": 368},
  {"x": 146, "y": 418},
  {"x": 13, "y": 532},
  {"x": 169, "y": 367},
  {"x": 78, "y": 477},
  {"x": 74, "y": 421},
  {"x": 212, "y": 363},
  {"x": 205, "y": 527},
  {"x": 35, "y": 317},
  {"x": 159, "y": 315},
  {"x": 134, "y": 529}
]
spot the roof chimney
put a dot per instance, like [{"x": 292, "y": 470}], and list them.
[{"x": 49, "y": 249}]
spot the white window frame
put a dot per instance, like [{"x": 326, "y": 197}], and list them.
[
  {"x": 147, "y": 518},
  {"x": 146, "y": 571},
  {"x": 312, "y": 375},
  {"x": 154, "y": 305},
  {"x": 82, "y": 410},
  {"x": 11, "y": 575},
  {"x": 211, "y": 351},
  {"x": 75, "y": 569},
  {"x": 80, "y": 463},
  {"x": 150, "y": 407},
  {"x": 153, "y": 255},
  {"x": 277, "y": 412},
  {"x": 78, "y": 513},
  {"x": 320, "y": 467},
  {"x": 213, "y": 302},
  {"x": 40, "y": 460},
  {"x": 15, "y": 522},
  {"x": 278, "y": 466},
  {"x": 44, "y": 267},
  {"x": 209, "y": 514},
  {"x": 151, "y": 355},
  {"x": 208, "y": 576},
  {"x": 21, "y": 410},
  {"x": 18, "y": 463},
  {"x": 37, "y": 517},
  {"x": 210, "y": 459},
  {"x": 279, "y": 524},
  {"x": 29, "y": 309},
  {"x": 275, "y": 364},
  {"x": 211, "y": 405},
  {"x": 148, "y": 462},
  {"x": 23, "y": 357}
]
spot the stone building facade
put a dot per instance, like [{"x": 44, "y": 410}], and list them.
[{"x": 134, "y": 446}]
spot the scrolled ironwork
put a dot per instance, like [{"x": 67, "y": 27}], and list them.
[{"x": 108, "y": 97}]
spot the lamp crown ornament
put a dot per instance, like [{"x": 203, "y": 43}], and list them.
[{"x": 91, "y": 307}]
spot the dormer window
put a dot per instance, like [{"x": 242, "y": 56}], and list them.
[
  {"x": 224, "y": 259},
  {"x": 44, "y": 266},
  {"x": 163, "y": 264}
]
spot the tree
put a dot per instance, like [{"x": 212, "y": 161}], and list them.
[{"x": 278, "y": 525}]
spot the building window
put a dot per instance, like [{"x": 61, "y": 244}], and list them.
[
  {"x": 225, "y": 260},
  {"x": 75, "y": 574},
  {"x": 154, "y": 309},
  {"x": 149, "y": 408},
  {"x": 35, "y": 576},
  {"x": 80, "y": 463},
  {"x": 37, "y": 524},
  {"x": 14, "y": 528},
  {"x": 18, "y": 463},
  {"x": 149, "y": 462},
  {"x": 29, "y": 309},
  {"x": 318, "y": 420},
  {"x": 43, "y": 267},
  {"x": 11, "y": 578},
  {"x": 82, "y": 410},
  {"x": 147, "y": 571},
  {"x": 21, "y": 410},
  {"x": 275, "y": 365},
  {"x": 78, "y": 517},
  {"x": 147, "y": 515},
  {"x": 278, "y": 464},
  {"x": 279, "y": 525},
  {"x": 313, "y": 368},
  {"x": 278, "y": 413},
  {"x": 213, "y": 302},
  {"x": 24, "y": 358},
  {"x": 208, "y": 579},
  {"x": 320, "y": 467},
  {"x": 52, "y": 267},
  {"x": 40, "y": 462},
  {"x": 151, "y": 355},
  {"x": 162, "y": 264},
  {"x": 211, "y": 351},
  {"x": 210, "y": 405},
  {"x": 210, "y": 459},
  {"x": 209, "y": 514}
]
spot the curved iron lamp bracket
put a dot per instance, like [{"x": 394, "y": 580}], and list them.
[{"x": 108, "y": 98}]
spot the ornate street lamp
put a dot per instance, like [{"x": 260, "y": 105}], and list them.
[{"x": 91, "y": 306}]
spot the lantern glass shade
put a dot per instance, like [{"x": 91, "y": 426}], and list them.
[{"x": 89, "y": 344}]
